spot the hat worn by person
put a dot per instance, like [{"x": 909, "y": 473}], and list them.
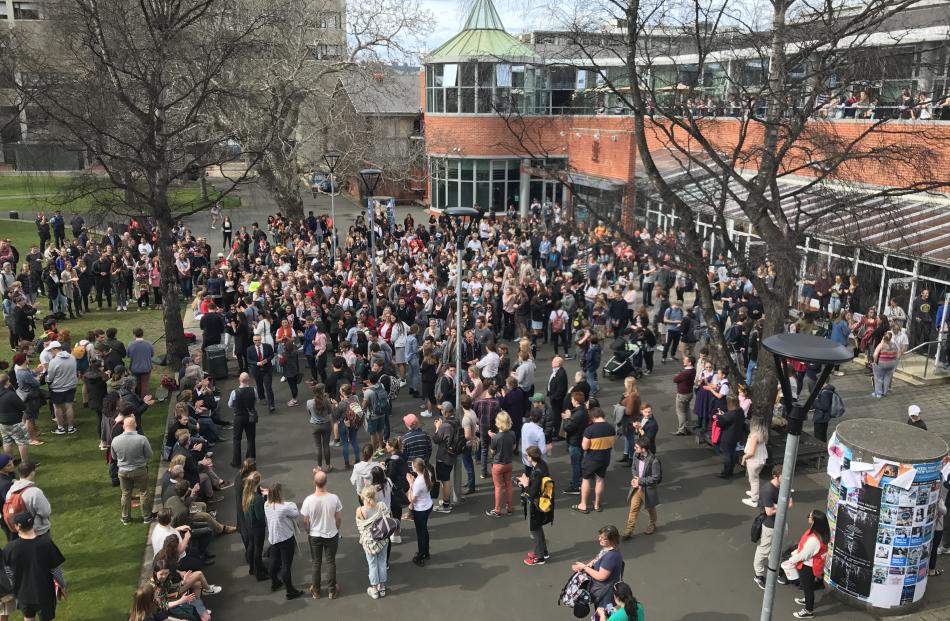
[
  {"x": 913, "y": 411},
  {"x": 410, "y": 420},
  {"x": 537, "y": 398},
  {"x": 54, "y": 345},
  {"x": 5, "y": 460}
]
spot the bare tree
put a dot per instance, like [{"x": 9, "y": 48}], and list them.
[
  {"x": 764, "y": 146},
  {"x": 295, "y": 80},
  {"x": 131, "y": 84}
]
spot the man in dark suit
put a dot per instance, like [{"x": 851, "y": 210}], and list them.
[
  {"x": 647, "y": 475},
  {"x": 110, "y": 238},
  {"x": 731, "y": 428},
  {"x": 242, "y": 403},
  {"x": 648, "y": 427},
  {"x": 557, "y": 391},
  {"x": 260, "y": 361}
]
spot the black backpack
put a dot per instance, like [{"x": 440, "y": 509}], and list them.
[{"x": 456, "y": 444}]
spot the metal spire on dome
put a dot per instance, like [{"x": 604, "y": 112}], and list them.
[{"x": 484, "y": 16}]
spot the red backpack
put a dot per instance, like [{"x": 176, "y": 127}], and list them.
[{"x": 14, "y": 505}]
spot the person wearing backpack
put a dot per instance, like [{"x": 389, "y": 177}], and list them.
[
  {"x": 828, "y": 405},
  {"x": 558, "y": 321},
  {"x": 376, "y": 405},
  {"x": 349, "y": 415},
  {"x": 537, "y": 492},
  {"x": 375, "y": 549},
  {"x": 449, "y": 439},
  {"x": 24, "y": 495}
]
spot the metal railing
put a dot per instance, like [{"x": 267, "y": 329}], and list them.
[{"x": 926, "y": 359}]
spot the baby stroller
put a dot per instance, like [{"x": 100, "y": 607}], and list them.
[{"x": 627, "y": 359}]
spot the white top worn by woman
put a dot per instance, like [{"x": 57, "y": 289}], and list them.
[
  {"x": 422, "y": 501},
  {"x": 280, "y": 521}
]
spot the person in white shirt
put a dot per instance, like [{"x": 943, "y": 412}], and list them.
[
  {"x": 488, "y": 365},
  {"x": 322, "y": 514},
  {"x": 533, "y": 435},
  {"x": 280, "y": 517},
  {"x": 421, "y": 502}
]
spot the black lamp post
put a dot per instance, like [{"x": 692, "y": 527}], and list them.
[
  {"x": 332, "y": 159},
  {"x": 800, "y": 348},
  {"x": 370, "y": 178},
  {"x": 464, "y": 220}
]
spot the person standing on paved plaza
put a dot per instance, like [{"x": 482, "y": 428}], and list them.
[
  {"x": 648, "y": 427},
  {"x": 575, "y": 422},
  {"x": 421, "y": 502},
  {"x": 259, "y": 359},
  {"x": 539, "y": 503},
  {"x": 349, "y": 415},
  {"x": 320, "y": 410},
  {"x": 242, "y": 402},
  {"x": 684, "y": 381},
  {"x": 647, "y": 475},
  {"x": 375, "y": 549},
  {"x": 756, "y": 452},
  {"x": 255, "y": 521},
  {"x": 631, "y": 403},
  {"x": 322, "y": 513},
  {"x": 557, "y": 391},
  {"x": 533, "y": 435},
  {"x": 280, "y": 517},
  {"x": 502, "y": 448},
  {"x": 447, "y": 429},
  {"x": 605, "y": 569},
  {"x": 415, "y": 442},
  {"x": 597, "y": 443},
  {"x": 132, "y": 452},
  {"x": 807, "y": 562},
  {"x": 768, "y": 504},
  {"x": 914, "y": 419},
  {"x": 731, "y": 425}
]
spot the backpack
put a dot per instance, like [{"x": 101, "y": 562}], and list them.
[
  {"x": 557, "y": 323},
  {"x": 545, "y": 501},
  {"x": 380, "y": 402},
  {"x": 578, "y": 318},
  {"x": 393, "y": 391},
  {"x": 14, "y": 505},
  {"x": 837, "y": 406},
  {"x": 457, "y": 443},
  {"x": 354, "y": 414},
  {"x": 79, "y": 351}
]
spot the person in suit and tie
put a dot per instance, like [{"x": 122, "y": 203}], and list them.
[
  {"x": 647, "y": 475},
  {"x": 110, "y": 238},
  {"x": 557, "y": 392},
  {"x": 648, "y": 427},
  {"x": 731, "y": 426},
  {"x": 260, "y": 360}
]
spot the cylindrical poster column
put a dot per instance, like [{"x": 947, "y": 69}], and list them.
[{"x": 882, "y": 507}]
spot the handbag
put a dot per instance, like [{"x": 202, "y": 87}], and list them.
[{"x": 756, "y": 531}]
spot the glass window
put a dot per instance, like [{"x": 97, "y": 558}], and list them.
[
  {"x": 467, "y": 198},
  {"x": 503, "y": 74},
  {"x": 486, "y": 77},
  {"x": 26, "y": 10},
  {"x": 485, "y": 102},
  {"x": 517, "y": 76},
  {"x": 437, "y": 75},
  {"x": 466, "y": 100},
  {"x": 499, "y": 169},
  {"x": 483, "y": 194},
  {"x": 437, "y": 100},
  {"x": 452, "y": 198},
  {"x": 449, "y": 75},
  {"x": 467, "y": 168},
  {"x": 451, "y": 100},
  {"x": 467, "y": 74}
]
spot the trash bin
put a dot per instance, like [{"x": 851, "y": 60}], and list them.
[
  {"x": 14, "y": 215},
  {"x": 216, "y": 361}
]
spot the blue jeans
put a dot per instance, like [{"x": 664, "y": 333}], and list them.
[
  {"x": 413, "y": 377},
  {"x": 377, "y": 567},
  {"x": 749, "y": 370},
  {"x": 469, "y": 464},
  {"x": 592, "y": 380},
  {"x": 629, "y": 438},
  {"x": 576, "y": 454},
  {"x": 348, "y": 440}
]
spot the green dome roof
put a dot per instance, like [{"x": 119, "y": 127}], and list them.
[{"x": 482, "y": 38}]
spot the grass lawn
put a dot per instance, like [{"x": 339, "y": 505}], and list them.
[
  {"x": 44, "y": 193},
  {"x": 21, "y": 234},
  {"x": 103, "y": 557}
]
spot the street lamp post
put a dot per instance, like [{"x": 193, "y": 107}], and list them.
[
  {"x": 464, "y": 219},
  {"x": 331, "y": 159},
  {"x": 370, "y": 178},
  {"x": 800, "y": 348}
]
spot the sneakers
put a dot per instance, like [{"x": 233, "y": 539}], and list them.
[
  {"x": 59, "y": 431},
  {"x": 425, "y": 414},
  {"x": 442, "y": 508},
  {"x": 749, "y": 502},
  {"x": 748, "y": 493},
  {"x": 800, "y": 601},
  {"x": 839, "y": 373},
  {"x": 943, "y": 550},
  {"x": 226, "y": 485},
  {"x": 572, "y": 492},
  {"x": 126, "y": 521},
  {"x": 803, "y": 614},
  {"x": 336, "y": 443},
  {"x": 71, "y": 429},
  {"x": 533, "y": 560},
  {"x": 211, "y": 589},
  {"x": 759, "y": 581},
  {"x": 402, "y": 383},
  {"x": 148, "y": 519},
  {"x": 493, "y": 513},
  {"x": 292, "y": 403},
  {"x": 372, "y": 592}
]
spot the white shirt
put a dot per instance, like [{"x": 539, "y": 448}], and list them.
[
  {"x": 488, "y": 365},
  {"x": 320, "y": 511},
  {"x": 422, "y": 501},
  {"x": 531, "y": 435},
  {"x": 159, "y": 535},
  {"x": 280, "y": 521}
]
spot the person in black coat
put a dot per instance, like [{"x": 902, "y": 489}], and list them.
[
  {"x": 731, "y": 430},
  {"x": 557, "y": 391},
  {"x": 823, "y": 412},
  {"x": 531, "y": 490}
]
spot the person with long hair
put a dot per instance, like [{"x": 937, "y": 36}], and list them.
[
  {"x": 321, "y": 423},
  {"x": 502, "y": 449},
  {"x": 807, "y": 563},
  {"x": 754, "y": 457},
  {"x": 884, "y": 363},
  {"x": 281, "y": 517},
  {"x": 630, "y": 402},
  {"x": 145, "y": 608},
  {"x": 420, "y": 482},
  {"x": 374, "y": 506},
  {"x": 626, "y": 607}
]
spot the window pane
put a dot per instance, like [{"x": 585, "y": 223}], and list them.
[
  {"x": 467, "y": 169},
  {"x": 482, "y": 193},
  {"x": 452, "y": 169},
  {"x": 481, "y": 170},
  {"x": 503, "y": 75},
  {"x": 437, "y": 75},
  {"x": 450, "y": 73},
  {"x": 451, "y": 100},
  {"x": 485, "y": 103},
  {"x": 499, "y": 170},
  {"x": 466, "y": 200},
  {"x": 467, "y": 74},
  {"x": 517, "y": 76},
  {"x": 498, "y": 196},
  {"x": 467, "y": 101},
  {"x": 452, "y": 199}
]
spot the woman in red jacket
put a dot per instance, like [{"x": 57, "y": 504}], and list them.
[{"x": 807, "y": 563}]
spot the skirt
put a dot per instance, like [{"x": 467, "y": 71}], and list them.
[{"x": 400, "y": 356}]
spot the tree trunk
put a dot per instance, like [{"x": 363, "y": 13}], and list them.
[
  {"x": 279, "y": 177},
  {"x": 176, "y": 347}
]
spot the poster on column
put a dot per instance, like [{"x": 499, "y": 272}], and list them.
[{"x": 855, "y": 542}]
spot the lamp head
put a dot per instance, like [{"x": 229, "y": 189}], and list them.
[
  {"x": 370, "y": 178},
  {"x": 331, "y": 158},
  {"x": 465, "y": 219}
]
